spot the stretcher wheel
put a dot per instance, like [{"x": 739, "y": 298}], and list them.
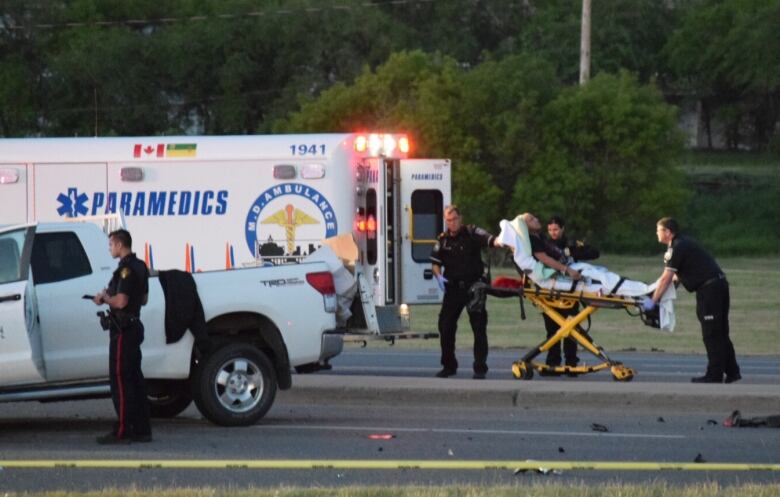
[
  {"x": 622, "y": 373},
  {"x": 522, "y": 371}
]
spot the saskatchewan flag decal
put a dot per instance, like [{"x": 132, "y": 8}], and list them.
[{"x": 181, "y": 149}]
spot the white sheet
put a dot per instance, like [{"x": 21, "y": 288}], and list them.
[{"x": 596, "y": 279}]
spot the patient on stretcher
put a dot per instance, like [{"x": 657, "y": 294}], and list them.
[{"x": 593, "y": 279}]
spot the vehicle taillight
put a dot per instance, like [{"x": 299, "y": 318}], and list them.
[
  {"x": 360, "y": 223},
  {"x": 322, "y": 282},
  {"x": 371, "y": 227}
]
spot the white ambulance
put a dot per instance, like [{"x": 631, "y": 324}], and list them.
[{"x": 200, "y": 203}]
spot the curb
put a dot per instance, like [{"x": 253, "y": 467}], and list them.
[{"x": 376, "y": 390}]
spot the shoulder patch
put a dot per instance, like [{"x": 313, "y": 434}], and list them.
[{"x": 124, "y": 273}]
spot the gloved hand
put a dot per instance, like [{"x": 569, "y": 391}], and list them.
[
  {"x": 441, "y": 280},
  {"x": 648, "y": 304}
]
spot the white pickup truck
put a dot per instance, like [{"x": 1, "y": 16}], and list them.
[{"x": 261, "y": 322}]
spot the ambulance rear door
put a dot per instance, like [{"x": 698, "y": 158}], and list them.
[{"x": 424, "y": 191}]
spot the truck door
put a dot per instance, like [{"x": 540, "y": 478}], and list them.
[
  {"x": 70, "y": 190},
  {"x": 21, "y": 359},
  {"x": 13, "y": 194},
  {"x": 424, "y": 191},
  {"x": 73, "y": 343}
]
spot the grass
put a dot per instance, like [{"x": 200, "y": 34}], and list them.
[
  {"x": 754, "y": 316},
  {"x": 536, "y": 490}
]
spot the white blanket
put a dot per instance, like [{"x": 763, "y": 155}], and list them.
[{"x": 596, "y": 279}]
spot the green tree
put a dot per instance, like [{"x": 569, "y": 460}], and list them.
[
  {"x": 607, "y": 163},
  {"x": 625, "y": 34},
  {"x": 727, "y": 55}
]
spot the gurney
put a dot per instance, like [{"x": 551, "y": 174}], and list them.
[{"x": 550, "y": 293}]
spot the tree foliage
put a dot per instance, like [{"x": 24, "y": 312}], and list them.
[
  {"x": 727, "y": 53},
  {"x": 607, "y": 161}
]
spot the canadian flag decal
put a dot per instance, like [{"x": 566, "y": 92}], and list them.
[{"x": 140, "y": 150}]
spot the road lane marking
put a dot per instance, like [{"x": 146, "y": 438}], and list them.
[
  {"x": 466, "y": 431},
  {"x": 390, "y": 464}
]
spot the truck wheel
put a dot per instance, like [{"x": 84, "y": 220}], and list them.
[
  {"x": 235, "y": 385},
  {"x": 168, "y": 399}
]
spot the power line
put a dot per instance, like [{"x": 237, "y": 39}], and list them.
[{"x": 201, "y": 18}]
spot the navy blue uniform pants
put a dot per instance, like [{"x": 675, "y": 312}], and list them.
[
  {"x": 455, "y": 299},
  {"x": 128, "y": 389},
  {"x": 569, "y": 344},
  {"x": 712, "y": 309}
]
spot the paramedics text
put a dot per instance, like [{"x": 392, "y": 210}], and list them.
[{"x": 154, "y": 203}]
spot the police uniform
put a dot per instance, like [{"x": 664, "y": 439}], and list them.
[
  {"x": 460, "y": 254},
  {"x": 698, "y": 272},
  {"x": 128, "y": 389}
]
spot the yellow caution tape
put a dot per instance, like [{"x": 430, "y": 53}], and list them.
[{"x": 397, "y": 464}]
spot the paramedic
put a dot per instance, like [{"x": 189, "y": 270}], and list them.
[
  {"x": 576, "y": 251},
  {"x": 687, "y": 262},
  {"x": 127, "y": 291},
  {"x": 457, "y": 264}
]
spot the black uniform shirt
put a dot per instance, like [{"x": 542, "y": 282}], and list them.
[
  {"x": 460, "y": 253},
  {"x": 549, "y": 247},
  {"x": 578, "y": 250},
  {"x": 690, "y": 262},
  {"x": 131, "y": 278}
]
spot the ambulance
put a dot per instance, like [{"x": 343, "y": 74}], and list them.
[{"x": 201, "y": 203}]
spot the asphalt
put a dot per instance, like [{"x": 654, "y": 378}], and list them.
[{"x": 376, "y": 390}]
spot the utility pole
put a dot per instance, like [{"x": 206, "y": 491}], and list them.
[{"x": 585, "y": 43}]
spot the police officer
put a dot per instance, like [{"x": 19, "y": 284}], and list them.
[
  {"x": 566, "y": 251},
  {"x": 457, "y": 265},
  {"x": 127, "y": 291},
  {"x": 687, "y": 262}
]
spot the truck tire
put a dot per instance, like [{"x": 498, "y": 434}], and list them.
[
  {"x": 168, "y": 399},
  {"x": 235, "y": 385}
]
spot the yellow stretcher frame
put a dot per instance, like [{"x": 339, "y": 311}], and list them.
[{"x": 548, "y": 300}]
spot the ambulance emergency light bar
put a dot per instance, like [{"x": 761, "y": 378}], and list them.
[{"x": 381, "y": 144}]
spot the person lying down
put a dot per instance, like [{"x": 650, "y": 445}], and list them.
[{"x": 594, "y": 279}]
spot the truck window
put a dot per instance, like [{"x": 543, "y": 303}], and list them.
[
  {"x": 11, "y": 244},
  {"x": 427, "y": 222},
  {"x": 58, "y": 257}
]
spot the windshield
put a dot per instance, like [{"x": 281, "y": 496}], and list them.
[{"x": 12, "y": 267}]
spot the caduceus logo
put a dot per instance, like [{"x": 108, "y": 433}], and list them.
[{"x": 290, "y": 218}]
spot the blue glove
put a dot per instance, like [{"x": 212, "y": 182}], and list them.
[
  {"x": 648, "y": 304},
  {"x": 441, "y": 280}
]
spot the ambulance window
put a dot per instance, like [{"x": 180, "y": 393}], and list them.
[
  {"x": 58, "y": 257},
  {"x": 427, "y": 219},
  {"x": 371, "y": 237}
]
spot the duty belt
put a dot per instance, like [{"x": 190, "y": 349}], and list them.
[
  {"x": 712, "y": 280},
  {"x": 461, "y": 284}
]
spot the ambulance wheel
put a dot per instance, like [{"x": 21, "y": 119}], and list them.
[
  {"x": 235, "y": 385},
  {"x": 167, "y": 399},
  {"x": 622, "y": 373},
  {"x": 522, "y": 371}
]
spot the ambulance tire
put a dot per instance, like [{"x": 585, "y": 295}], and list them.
[
  {"x": 235, "y": 385},
  {"x": 168, "y": 399}
]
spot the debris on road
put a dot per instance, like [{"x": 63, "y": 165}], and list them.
[
  {"x": 699, "y": 458},
  {"x": 735, "y": 420},
  {"x": 598, "y": 427},
  {"x": 381, "y": 436}
]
